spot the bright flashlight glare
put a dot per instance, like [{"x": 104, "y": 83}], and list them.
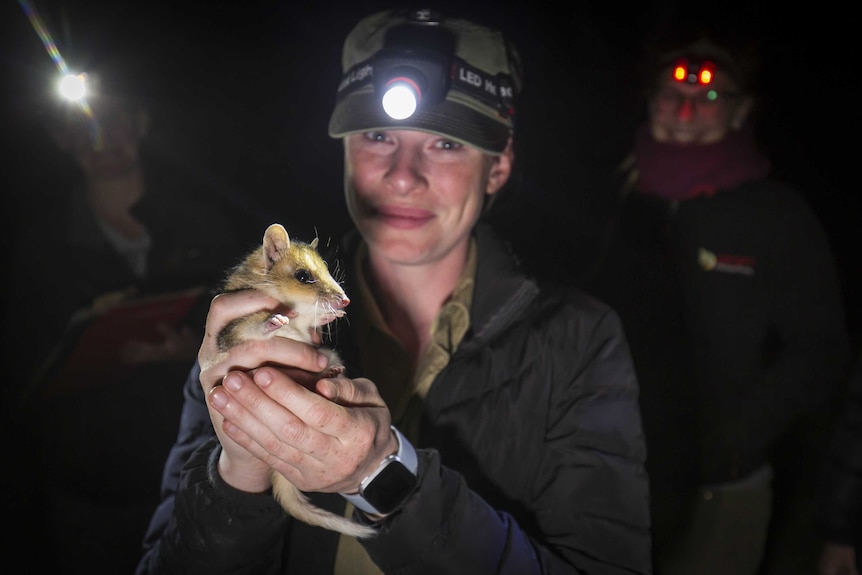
[
  {"x": 74, "y": 87},
  {"x": 400, "y": 101}
]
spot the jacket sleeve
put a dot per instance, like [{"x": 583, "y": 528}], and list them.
[
  {"x": 589, "y": 495},
  {"x": 811, "y": 355},
  {"x": 202, "y": 522}
]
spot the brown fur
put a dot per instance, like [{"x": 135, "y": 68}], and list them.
[{"x": 293, "y": 273}]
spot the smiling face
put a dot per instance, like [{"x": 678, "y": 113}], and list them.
[
  {"x": 415, "y": 196},
  {"x": 683, "y": 113}
]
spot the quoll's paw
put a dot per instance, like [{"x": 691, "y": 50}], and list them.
[
  {"x": 332, "y": 371},
  {"x": 276, "y": 321}
]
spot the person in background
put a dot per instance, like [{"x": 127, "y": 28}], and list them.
[
  {"x": 121, "y": 226},
  {"x": 124, "y": 225},
  {"x": 728, "y": 293},
  {"x": 839, "y": 495},
  {"x": 510, "y": 403}
]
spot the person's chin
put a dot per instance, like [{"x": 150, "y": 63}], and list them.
[
  {"x": 693, "y": 137},
  {"x": 684, "y": 138},
  {"x": 397, "y": 242}
]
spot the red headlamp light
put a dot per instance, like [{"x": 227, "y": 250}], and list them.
[{"x": 701, "y": 73}]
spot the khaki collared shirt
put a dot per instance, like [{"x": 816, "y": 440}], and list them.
[{"x": 389, "y": 366}]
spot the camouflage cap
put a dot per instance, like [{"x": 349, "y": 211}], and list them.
[{"x": 478, "y": 108}]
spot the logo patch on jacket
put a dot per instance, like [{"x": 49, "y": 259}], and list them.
[{"x": 727, "y": 263}]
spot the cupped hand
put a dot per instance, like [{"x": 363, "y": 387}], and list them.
[{"x": 323, "y": 439}]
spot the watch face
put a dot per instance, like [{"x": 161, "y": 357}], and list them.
[{"x": 390, "y": 488}]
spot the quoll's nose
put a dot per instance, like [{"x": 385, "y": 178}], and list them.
[{"x": 343, "y": 302}]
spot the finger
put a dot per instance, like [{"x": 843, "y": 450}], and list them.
[
  {"x": 307, "y": 405},
  {"x": 359, "y": 392},
  {"x": 329, "y": 389},
  {"x": 273, "y": 351},
  {"x": 228, "y": 306}
]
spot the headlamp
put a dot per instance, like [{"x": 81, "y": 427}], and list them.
[
  {"x": 413, "y": 69},
  {"x": 417, "y": 67},
  {"x": 691, "y": 72}
]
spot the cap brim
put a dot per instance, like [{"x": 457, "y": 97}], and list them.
[{"x": 362, "y": 112}]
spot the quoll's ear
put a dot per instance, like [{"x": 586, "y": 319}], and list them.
[
  {"x": 313, "y": 244},
  {"x": 276, "y": 242}
]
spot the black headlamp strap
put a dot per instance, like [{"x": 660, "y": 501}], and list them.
[{"x": 495, "y": 91}]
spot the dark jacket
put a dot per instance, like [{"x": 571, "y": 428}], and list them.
[
  {"x": 732, "y": 306},
  {"x": 531, "y": 457},
  {"x": 839, "y": 497}
]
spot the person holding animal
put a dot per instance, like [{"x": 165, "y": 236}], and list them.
[{"x": 486, "y": 421}]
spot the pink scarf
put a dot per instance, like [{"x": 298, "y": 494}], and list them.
[{"x": 679, "y": 172}]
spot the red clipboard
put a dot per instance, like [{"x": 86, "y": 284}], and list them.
[{"x": 95, "y": 343}]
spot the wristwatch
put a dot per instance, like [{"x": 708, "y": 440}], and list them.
[{"x": 392, "y": 482}]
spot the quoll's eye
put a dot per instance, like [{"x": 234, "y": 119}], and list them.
[{"x": 304, "y": 276}]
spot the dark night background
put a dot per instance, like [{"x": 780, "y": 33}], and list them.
[{"x": 241, "y": 94}]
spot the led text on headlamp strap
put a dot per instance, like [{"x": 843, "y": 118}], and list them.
[{"x": 495, "y": 91}]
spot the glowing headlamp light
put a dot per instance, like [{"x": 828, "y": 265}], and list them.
[
  {"x": 401, "y": 97},
  {"x": 73, "y": 87},
  {"x": 701, "y": 73}
]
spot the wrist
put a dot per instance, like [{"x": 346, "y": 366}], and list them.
[
  {"x": 247, "y": 478},
  {"x": 387, "y": 488}
]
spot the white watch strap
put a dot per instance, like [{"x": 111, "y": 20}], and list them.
[{"x": 406, "y": 454}]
